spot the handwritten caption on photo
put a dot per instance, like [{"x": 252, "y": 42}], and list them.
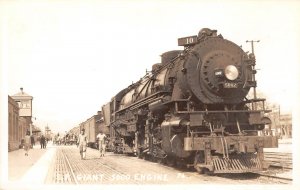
[{"x": 119, "y": 177}]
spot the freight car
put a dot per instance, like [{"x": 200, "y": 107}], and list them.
[
  {"x": 192, "y": 109},
  {"x": 92, "y": 126}
]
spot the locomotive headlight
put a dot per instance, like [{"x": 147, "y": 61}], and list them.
[{"x": 231, "y": 72}]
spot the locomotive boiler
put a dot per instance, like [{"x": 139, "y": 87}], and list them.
[{"x": 191, "y": 109}]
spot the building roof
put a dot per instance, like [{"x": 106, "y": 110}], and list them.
[{"x": 22, "y": 95}]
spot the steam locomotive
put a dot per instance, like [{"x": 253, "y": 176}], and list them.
[{"x": 191, "y": 109}]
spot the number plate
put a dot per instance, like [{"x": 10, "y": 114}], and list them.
[
  {"x": 230, "y": 85},
  {"x": 187, "y": 41}
]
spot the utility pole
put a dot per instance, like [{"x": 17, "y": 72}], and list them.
[
  {"x": 252, "y": 44},
  {"x": 253, "y": 68}
]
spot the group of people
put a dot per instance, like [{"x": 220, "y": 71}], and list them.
[
  {"x": 29, "y": 142},
  {"x": 43, "y": 142},
  {"x": 83, "y": 141}
]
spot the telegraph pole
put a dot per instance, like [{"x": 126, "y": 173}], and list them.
[
  {"x": 253, "y": 67},
  {"x": 252, "y": 44}
]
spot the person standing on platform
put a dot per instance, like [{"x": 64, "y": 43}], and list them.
[
  {"x": 101, "y": 142},
  {"x": 82, "y": 143},
  {"x": 27, "y": 143},
  {"x": 43, "y": 141}
]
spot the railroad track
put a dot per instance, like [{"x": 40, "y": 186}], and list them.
[
  {"x": 278, "y": 159},
  {"x": 68, "y": 168},
  {"x": 61, "y": 170},
  {"x": 280, "y": 163},
  {"x": 277, "y": 179},
  {"x": 272, "y": 175}
]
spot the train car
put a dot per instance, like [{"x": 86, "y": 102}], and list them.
[
  {"x": 192, "y": 110},
  {"x": 92, "y": 127}
]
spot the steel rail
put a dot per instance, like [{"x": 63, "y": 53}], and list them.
[{"x": 70, "y": 168}]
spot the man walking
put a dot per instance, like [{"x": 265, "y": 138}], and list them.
[
  {"x": 82, "y": 143},
  {"x": 101, "y": 142}
]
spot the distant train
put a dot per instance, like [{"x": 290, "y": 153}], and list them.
[{"x": 192, "y": 110}]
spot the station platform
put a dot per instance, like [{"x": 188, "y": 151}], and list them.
[{"x": 25, "y": 172}]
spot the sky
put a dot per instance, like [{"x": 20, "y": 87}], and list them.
[{"x": 74, "y": 56}]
